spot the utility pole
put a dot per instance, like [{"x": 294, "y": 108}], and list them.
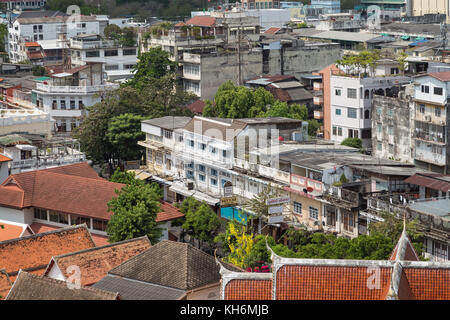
[{"x": 239, "y": 56}]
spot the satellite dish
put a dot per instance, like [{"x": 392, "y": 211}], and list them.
[{"x": 310, "y": 189}]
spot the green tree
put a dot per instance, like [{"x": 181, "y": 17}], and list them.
[
  {"x": 125, "y": 177},
  {"x": 202, "y": 223},
  {"x": 124, "y": 132},
  {"x": 152, "y": 64},
  {"x": 112, "y": 31},
  {"x": 352, "y": 142},
  {"x": 38, "y": 71},
  {"x": 134, "y": 213}
]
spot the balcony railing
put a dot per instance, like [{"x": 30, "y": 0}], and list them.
[
  {"x": 429, "y": 136},
  {"x": 28, "y": 163},
  {"x": 75, "y": 89},
  {"x": 304, "y": 182}
]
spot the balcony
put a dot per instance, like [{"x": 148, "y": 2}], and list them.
[
  {"x": 318, "y": 86},
  {"x": 21, "y": 164},
  {"x": 430, "y": 136},
  {"x": 75, "y": 89},
  {"x": 93, "y": 44},
  {"x": 318, "y": 115},
  {"x": 318, "y": 100}
]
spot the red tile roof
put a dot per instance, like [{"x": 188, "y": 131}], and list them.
[
  {"x": 443, "y": 76},
  {"x": 202, "y": 21},
  {"x": 248, "y": 289},
  {"x": 4, "y": 158},
  {"x": 95, "y": 263},
  {"x": 168, "y": 212},
  {"x": 401, "y": 277},
  {"x": 272, "y": 30},
  {"x": 33, "y": 253},
  {"x": 11, "y": 230},
  {"x": 60, "y": 190},
  {"x": 39, "y": 228},
  {"x": 32, "y": 44},
  {"x": 180, "y": 24},
  {"x": 429, "y": 181},
  {"x": 5, "y": 284},
  {"x": 196, "y": 106}
]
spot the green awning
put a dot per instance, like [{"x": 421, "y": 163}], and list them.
[
  {"x": 42, "y": 78},
  {"x": 384, "y": 34},
  {"x": 404, "y": 37},
  {"x": 420, "y": 38}
]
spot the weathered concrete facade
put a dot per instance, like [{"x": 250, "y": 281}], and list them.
[
  {"x": 301, "y": 59},
  {"x": 392, "y": 127}
]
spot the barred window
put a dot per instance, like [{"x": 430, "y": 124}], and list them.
[
  {"x": 313, "y": 213},
  {"x": 297, "y": 207}
]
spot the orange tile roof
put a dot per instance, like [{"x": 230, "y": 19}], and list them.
[
  {"x": 401, "y": 277},
  {"x": 272, "y": 30},
  {"x": 75, "y": 194},
  {"x": 33, "y": 253},
  {"x": 32, "y": 44},
  {"x": 202, "y": 21},
  {"x": 12, "y": 231},
  {"x": 5, "y": 284},
  {"x": 169, "y": 212},
  {"x": 4, "y": 158},
  {"x": 248, "y": 289},
  {"x": 95, "y": 263},
  {"x": 39, "y": 228}
]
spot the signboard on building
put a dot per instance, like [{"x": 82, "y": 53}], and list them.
[
  {"x": 228, "y": 189},
  {"x": 277, "y": 201},
  {"x": 276, "y": 219},
  {"x": 228, "y": 201},
  {"x": 275, "y": 209}
]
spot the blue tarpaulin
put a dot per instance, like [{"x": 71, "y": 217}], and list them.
[{"x": 233, "y": 213}]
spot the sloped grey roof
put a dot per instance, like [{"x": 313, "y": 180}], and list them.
[
  {"x": 130, "y": 289},
  {"x": 171, "y": 264},
  {"x": 33, "y": 287},
  {"x": 168, "y": 122}
]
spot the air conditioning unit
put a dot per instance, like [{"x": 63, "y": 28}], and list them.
[
  {"x": 427, "y": 118},
  {"x": 443, "y": 122}
]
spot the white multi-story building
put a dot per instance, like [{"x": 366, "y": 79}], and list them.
[
  {"x": 66, "y": 95},
  {"x": 25, "y": 5},
  {"x": 431, "y": 121},
  {"x": 29, "y": 29},
  {"x": 351, "y": 99},
  {"x": 118, "y": 61}
]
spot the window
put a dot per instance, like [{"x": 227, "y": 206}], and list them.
[
  {"x": 202, "y": 145},
  {"x": 190, "y": 174},
  {"x": 63, "y": 104},
  {"x": 334, "y": 130},
  {"x": 213, "y": 172},
  {"x": 425, "y": 89},
  {"x": 168, "y": 134},
  {"x": 438, "y": 91},
  {"x": 390, "y": 130},
  {"x": 128, "y": 66},
  {"x": 92, "y": 54},
  {"x": 72, "y": 105},
  {"x": 40, "y": 214},
  {"x": 201, "y": 177},
  {"x": 348, "y": 222},
  {"x": 59, "y": 217},
  {"x": 338, "y": 111},
  {"x": 212, "y": 149},
  {"x": 337, "y": 92},
  {"x": 440, "y": 250},
  {"x": 224, "y": 153},
  {"x": 99, "y": 224},
  {"x": 110, "y": 67},
  {"x": 391, "y": 148},
  {"x": 159, "y": 158},
  {"x": 437, "y": 111},
  {"x": 339, "y": 131},
  {"x": 394, "y": 71},
  {"x": 313, "y": 213},
  {"x": 190, "y": 143},
  {"x": 367, "y": 114},
  {"x": 129, "y": 52},
  {"x": 379, "y": 146},
  {"x": 111, "y": 53},
  {"x": 351, "y": 113},
  {"x": 54, "y": 105},
  {"x": 201, "y": 168},
  {"x": 213, "y": 182},
  {"x": 351, "y": 93},
  {"x": 80, "y": 220},
  {"x": 80, "y": 105},
  {"x": 297, "y": 207},
  {"x": 422, "y": 108}
]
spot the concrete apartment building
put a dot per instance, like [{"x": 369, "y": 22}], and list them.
[
  {"x": 431, "y": 121},
  {"x": 118, "y": 61},
  {"x": 393, "y": 125},
  {"x": 66, "y": 95},
  {"x": 25, "y": 5},
  {"x": 45, "y": 25},
  {"x": 347, "y": 113}
]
